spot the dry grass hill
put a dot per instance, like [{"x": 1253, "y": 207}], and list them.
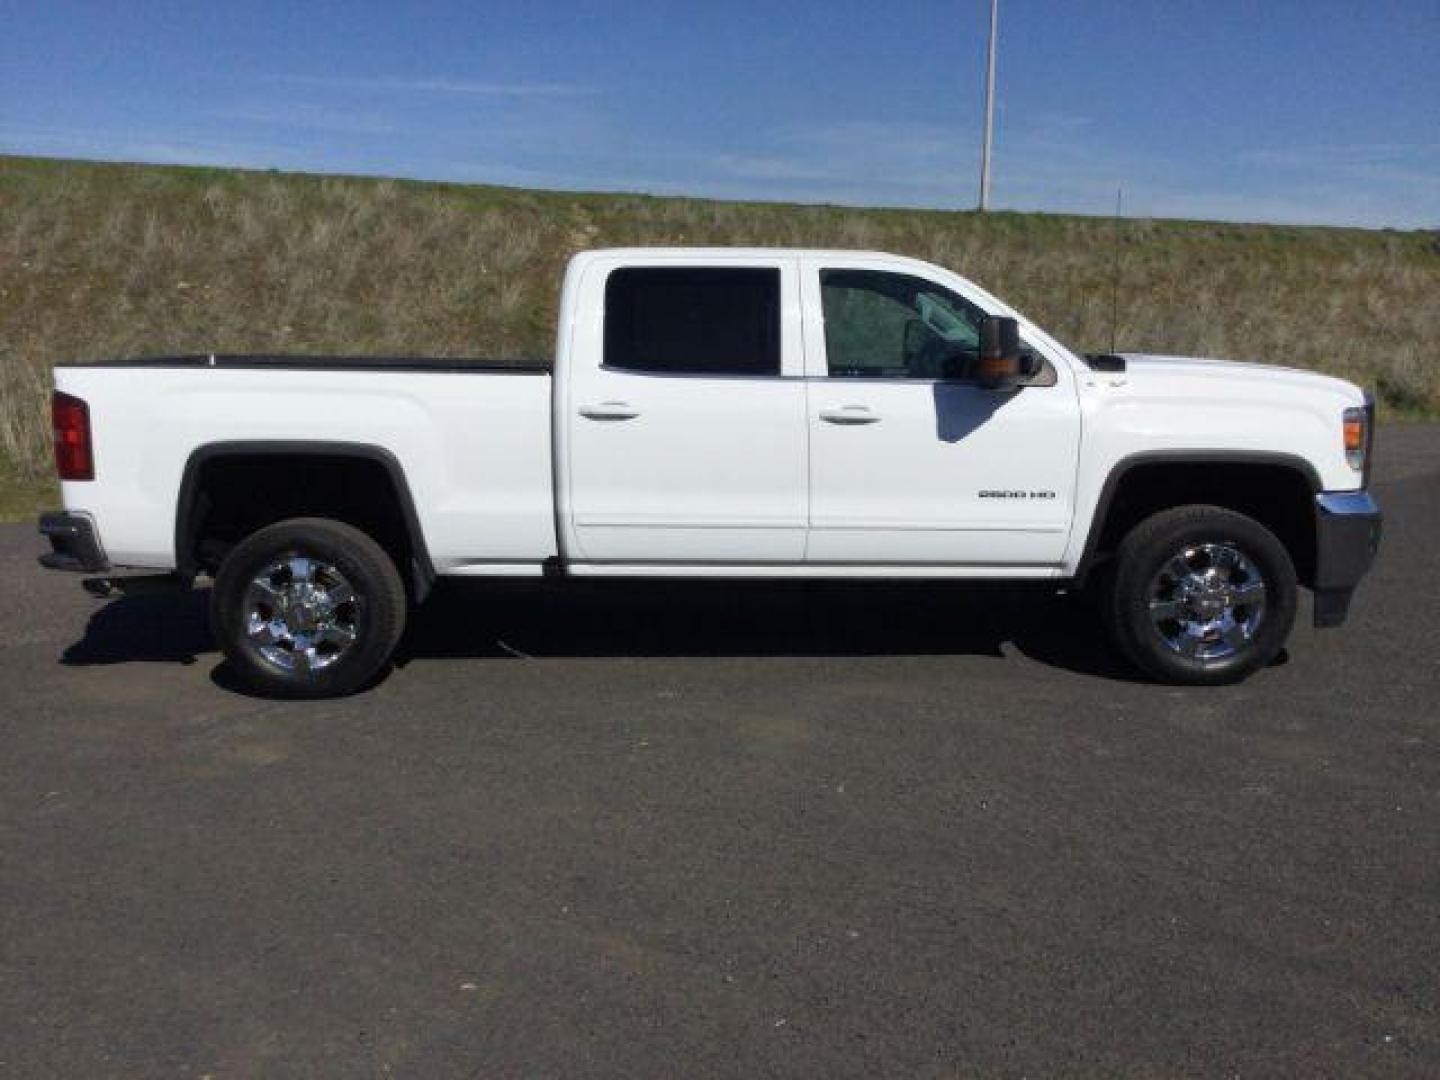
[{"x": 107, "y": 260}]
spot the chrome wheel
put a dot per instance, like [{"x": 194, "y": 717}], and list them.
[
  {"x": 1207, "y": 601},
  {"x": 301, "y": 614}
]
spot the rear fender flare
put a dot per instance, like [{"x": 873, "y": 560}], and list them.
[{"x": 188, "y": 512}]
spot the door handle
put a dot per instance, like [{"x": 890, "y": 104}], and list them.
[
  {"x": 850, "y": 414},
  {"x": 609, "y": 410}
]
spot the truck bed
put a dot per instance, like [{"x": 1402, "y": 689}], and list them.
[{"x": 473, "y": 443}]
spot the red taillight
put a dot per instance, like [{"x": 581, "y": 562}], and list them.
[{"x": 74, "y": 457}]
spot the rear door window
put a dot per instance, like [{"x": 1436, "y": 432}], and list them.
[{"x": 693, "y": 320}]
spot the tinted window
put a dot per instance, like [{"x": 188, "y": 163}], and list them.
[
  {"x": 693, "y": 320},
  {"x": 884, "y": 325}
]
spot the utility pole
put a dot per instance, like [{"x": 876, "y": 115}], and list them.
[{"x": 989, "y": 110}]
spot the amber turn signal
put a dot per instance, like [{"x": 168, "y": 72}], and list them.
[{"x": 1354, "y": 429}]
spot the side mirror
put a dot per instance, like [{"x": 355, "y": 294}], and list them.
[{"x": 1000, "y": 362}]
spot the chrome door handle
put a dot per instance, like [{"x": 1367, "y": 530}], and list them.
[
  {"x": 850, "y": 414},
  {"x": 609, "y": 410}
]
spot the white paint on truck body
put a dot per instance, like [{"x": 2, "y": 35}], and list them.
[
  {"x": 800, "y": 474},
  {"x": 475, "y": 450}
]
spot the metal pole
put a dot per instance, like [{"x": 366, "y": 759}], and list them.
[{"x": 989, "y": 109}]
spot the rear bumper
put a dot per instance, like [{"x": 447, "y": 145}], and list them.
[
  {"x": 1347, "y": 535},
  {"x": 74, "y": 543}
]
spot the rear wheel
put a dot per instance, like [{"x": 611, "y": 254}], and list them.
[
  {"x": 1201, "y": 595},
  {"x": 308, "y": 608}
]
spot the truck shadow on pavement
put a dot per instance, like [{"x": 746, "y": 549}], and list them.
[{"x": 509, "y": 620}]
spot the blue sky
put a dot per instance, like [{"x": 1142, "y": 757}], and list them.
[{"x": 1270, "y": 110}]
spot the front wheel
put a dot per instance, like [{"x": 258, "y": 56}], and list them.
[
  {"x": 1201, "y": 595},
  {"x": 308, "y": 608}
]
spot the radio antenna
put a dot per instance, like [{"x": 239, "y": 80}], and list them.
[{"x": 1115, "y": 278}]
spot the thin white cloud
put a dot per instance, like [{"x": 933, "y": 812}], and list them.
[
  {"x": 463, "y": 87},
  {"x": 1062, "y": 163},
  {"x": 904, "y": 159},
  {"x": 761, "y": 167},
  {"x": 311, "y": 117},
  {"x": 1057, "y": 164},
  {"x": 1359, "y": 173},
  {"x": 154, "y": 147},
  {"x": 1342, "y": 155}
]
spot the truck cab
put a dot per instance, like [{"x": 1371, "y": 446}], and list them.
[{"x": 816, "y": 411}]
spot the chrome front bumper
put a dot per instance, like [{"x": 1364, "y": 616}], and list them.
[{"x": 1347, "y": 535}]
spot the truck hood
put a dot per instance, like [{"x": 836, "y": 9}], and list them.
[
  {"x": 1183, "y": 404},
  {"x": 1188, "y": 371}
]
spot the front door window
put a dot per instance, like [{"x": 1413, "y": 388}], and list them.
[{"x": 880, "y": 324}]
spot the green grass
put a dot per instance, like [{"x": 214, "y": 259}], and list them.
[
  {"x": 104, "y": 260},
  {"x": 22, "y": 498}
]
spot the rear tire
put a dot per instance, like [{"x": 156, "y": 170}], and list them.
[
  {"x": 308, "y": 608},
  {"x": 1201, "y": 596}
]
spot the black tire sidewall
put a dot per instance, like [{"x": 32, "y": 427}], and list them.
[
  {"x": 1155, "y": 541},
  {"x": 365, "y": 565}
]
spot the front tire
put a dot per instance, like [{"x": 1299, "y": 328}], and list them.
[
  {"x": 1201, "y": 596},
  {"x": 308, "y": 608}
]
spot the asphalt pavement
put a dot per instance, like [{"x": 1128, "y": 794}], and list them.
[{"x": 701, "y": 830}]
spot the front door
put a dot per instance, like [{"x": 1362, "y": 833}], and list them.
[
  {"x": 911, "y": 461},
  {"x": 687, "y": 434}
]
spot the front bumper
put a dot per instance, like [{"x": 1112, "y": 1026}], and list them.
[
  {"x": 1347, "y": 535},
  {"x": 74, "y": 543}
]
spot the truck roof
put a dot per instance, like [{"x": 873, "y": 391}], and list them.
[{"x": 741, "y": 252}]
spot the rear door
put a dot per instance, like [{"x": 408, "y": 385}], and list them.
[
  {"x": 686, "y": 413},
  {"x": 911, "y": 461}
]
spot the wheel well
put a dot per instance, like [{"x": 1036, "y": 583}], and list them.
[
  {"x": 229, "y": 493},
  {"x": 1280, "y": 497}
]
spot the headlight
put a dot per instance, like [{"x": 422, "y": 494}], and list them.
[{"x": 1357, "y": 437}]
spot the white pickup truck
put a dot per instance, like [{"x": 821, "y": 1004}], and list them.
[{"x": 725, "y": 413}]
